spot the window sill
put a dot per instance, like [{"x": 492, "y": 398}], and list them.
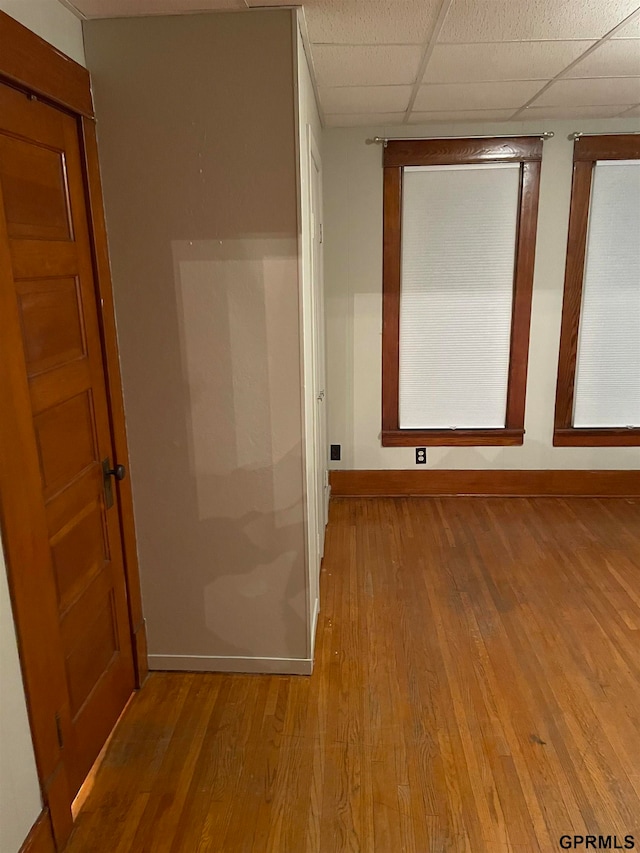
[
  {"x": 451, "y": 437},
  {"x": 582, "y": 437}
]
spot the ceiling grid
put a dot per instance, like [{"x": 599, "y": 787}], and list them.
[{"x": 404, "y": 61}]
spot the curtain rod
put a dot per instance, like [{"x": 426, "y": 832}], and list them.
[
  {"x": 579, "y": 133},
  {"x": 383, "y": 140}
]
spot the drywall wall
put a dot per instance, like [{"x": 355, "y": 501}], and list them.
[
  {"x": 197, "y": 139},
  {"x": 51, "y": 21},
  {"x": 307, "y": 104},
  {"x": 20, "y": 802},
  {"x": 353, "y": 287},
  {"x": 309, "y": 137}
]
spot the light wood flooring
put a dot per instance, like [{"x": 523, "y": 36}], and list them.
[{"x": 476, "y": 690}]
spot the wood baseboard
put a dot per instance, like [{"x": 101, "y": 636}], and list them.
[
  {"x": 214, "y": 663},
  {"x": 501, "y": 483},
  {"x": 40, "y": 838}
]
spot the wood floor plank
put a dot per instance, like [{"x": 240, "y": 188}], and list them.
[{"x": 476, "y": 690}]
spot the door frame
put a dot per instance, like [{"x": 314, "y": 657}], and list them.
[
  {"x": 33, "y": 66},
  {"x": 319, "y": 326}
]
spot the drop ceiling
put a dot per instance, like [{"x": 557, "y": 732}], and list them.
[{"x": 406, "y": 61}]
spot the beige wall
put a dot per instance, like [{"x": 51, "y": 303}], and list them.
[
  {"x": 353, "y": 285},
  {"x": 51, "y": 21},
  {"x": 20, "y": 801},
  {"x": 308, "y": 107},
  {"x": 19, "y": 789},
  {"x": 196, "y": 128}
]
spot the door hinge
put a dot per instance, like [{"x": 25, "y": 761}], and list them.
[
  {"x": 59, "y": 731},
  {"x": 321, "y": 232}
]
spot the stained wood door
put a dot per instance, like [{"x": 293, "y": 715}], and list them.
[{"x": 63, "y": 542}]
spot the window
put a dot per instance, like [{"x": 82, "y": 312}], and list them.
[
  {"x": 598, "y": 390},
  {"x": 459, "y": 242}
]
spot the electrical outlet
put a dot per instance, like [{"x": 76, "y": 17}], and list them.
[
  {"x": 421, "y": 455},
  {"x": 335, "y": 452}
]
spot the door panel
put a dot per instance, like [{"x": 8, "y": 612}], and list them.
[
  {"x": 52, "y": 289},
  {"x": 51, "y": 323},
  {"x": 79, "y": 552},
  {"x": 65, "y": 439},
  {"x": 35, "y": 190}
]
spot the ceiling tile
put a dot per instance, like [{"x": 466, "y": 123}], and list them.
[
  {"x": 591, "y": 92},
  {"x": 461, "y": 115},
  {"x": 365, "y": 119},
  {"x": 634, "y": 112},
  {"x": 371, "y": 21},
  {"x": 613, "y": 58},
  {"x": 630, "y": 30},
  {"x": 131, "y": 8},
  {"x": 475, "y": 96},
  {"x": 365, "y": 99},
  {"x": 527, "y": 60},
  {"x": 513, "y": 20},
  {"x": 365, "y": 65},
  {"x": 561, "y": 113}
]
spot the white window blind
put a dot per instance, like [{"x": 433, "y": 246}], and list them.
[
  {"x": 456, "y": 294},
  {"x": 607, "y": 389}
]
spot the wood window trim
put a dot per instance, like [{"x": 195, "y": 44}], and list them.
[
  {"x": 586, "y": 151},
  {"x": 526, "y": 150},
  {"x": 31, "y": 65}
]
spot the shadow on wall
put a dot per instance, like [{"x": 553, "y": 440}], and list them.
[
  {"x": 221, "y": 527},
  {"x": 241, "y": 581}
]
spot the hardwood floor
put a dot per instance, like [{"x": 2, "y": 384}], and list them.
[{"x": 477, "y": 688}]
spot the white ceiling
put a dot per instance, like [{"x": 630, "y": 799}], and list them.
[{"x": 405, "y": 61}]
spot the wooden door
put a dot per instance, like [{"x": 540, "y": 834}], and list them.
[{"x": 63, "y": 542}]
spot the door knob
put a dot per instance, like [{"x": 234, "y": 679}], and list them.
[{"x": 118, "y": 473}]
